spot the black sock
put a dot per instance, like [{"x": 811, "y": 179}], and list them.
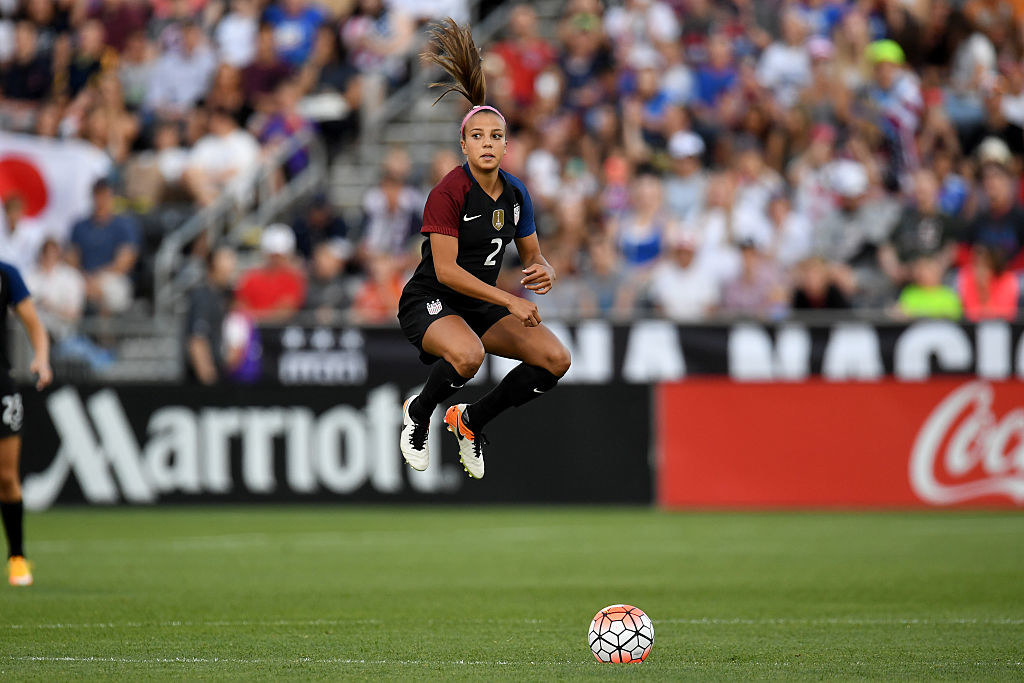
[
  {"x": 521, "y": 385},
  {"x": 13, "y": 514},
  {"x": 443, "y": 381}
]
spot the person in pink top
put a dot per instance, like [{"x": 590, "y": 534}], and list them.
[{"x": 986, "y": 288}]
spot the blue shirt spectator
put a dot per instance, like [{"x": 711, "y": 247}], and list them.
[
  {"x": 100, "y": 238},
  {"x": 295, "y": 26}
]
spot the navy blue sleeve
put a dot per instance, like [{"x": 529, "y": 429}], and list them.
[
  {"x": 17, "y": 291},
  {"x": 526, "y": 225}
]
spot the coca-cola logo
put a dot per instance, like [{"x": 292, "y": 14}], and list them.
[{"x": 965, "y": 452}]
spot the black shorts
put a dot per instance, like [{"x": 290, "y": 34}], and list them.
[
  {"x": 12, "y": 411},
  {"x": 419, "y": 307}
]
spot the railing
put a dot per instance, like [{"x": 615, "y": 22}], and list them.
[{"x": 224, "y": 217}]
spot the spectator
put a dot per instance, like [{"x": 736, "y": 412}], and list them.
[
  {"x": 718, "y": 76},
  {"x": 223, "y": 161},
  {"x": 524, "y": 55},
  {"x": 640, "y": 232},
  {"x": 87, "y": 59},
  {"x": 792, "y": 233},
  {"x": 207, "y": 308},
  {"x": 851, "y": 234},
  {"x": 1000, "y": 225},
  {"x": 120, "y": 19},
  {"x": 58, "y": 290},
  {"x": 320, "y": 224},
  {"x": 236, "y": 34},
  {"x": 377, "y": 299},
  {"x": 333, "y": 87},
  {"x": 328, "y": 297},
  {"x": 295, "y": 23},
  {"x": 28, "y": 76},
  {"x": 926, "y": 296},
  {"x": 282, "y": 123},
  {"x": 105, "y": 247},
  {"x": 820, "y": 288},
  {"x": 681, "y": 288},
  {"x": 785, "y": 66},
  {"x": 895, "y": 97},
  {"x": 759, "y": 290},
  {"x": 274, "y": 291},
  {"x": 987, "y": 289},
  {"x": 135, "y": 69},
  {"x": 378, "y": 36},
  {"x": 181, "y": 77},
  {"x": 393, "y": 212},
  {"x": 606, "y": 281},
  {"x": 265, "y": 72},
  {"x": 686, "y": 187},
  {"x": 922, "y": 230}
]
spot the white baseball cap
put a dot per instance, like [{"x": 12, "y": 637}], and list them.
[
  {"x": 277, "y": 238},
  {"x": 685, "y": 144},
  {"x": 848, "y": 178}
]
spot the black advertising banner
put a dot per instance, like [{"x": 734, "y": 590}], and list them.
[
  {"x": 648, "y": 351},
  {"x": 144, "y": 445}
]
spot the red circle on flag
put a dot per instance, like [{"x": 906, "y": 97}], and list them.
[{"x": 19, "y": 176}]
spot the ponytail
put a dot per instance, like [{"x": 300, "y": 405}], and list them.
[{"x": 452, "y": 48}]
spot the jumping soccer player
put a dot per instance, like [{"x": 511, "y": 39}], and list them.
[
  {"x": 450, "y": 309},
  {"x": 14, "y": 294}
]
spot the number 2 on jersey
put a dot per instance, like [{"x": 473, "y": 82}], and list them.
[{"x": 490, "y": 258}]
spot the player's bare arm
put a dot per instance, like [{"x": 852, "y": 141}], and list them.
[
  {"x": 40, "y": 341},
  {"x": 538, "y": 275},
  {"x": 445, "y": 250}
]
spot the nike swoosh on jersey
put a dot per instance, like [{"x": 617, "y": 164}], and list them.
[
  {"x": 537, "y": 391},
  {"x": 469, "y": 218}
]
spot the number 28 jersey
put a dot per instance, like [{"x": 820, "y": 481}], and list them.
[{"x": 460, "y": 208}]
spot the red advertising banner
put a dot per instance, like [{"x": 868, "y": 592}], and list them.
[{"x": 819, "y": 444}]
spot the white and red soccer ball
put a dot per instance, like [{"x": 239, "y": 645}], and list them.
[{"x": 622, "y": 634}]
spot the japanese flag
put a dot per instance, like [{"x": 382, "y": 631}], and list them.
[{"x": 54, "y": 179}]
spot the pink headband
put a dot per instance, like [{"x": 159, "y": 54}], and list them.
[{"x": 477, "y": 110}]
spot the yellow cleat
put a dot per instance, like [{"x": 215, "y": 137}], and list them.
[{"x": 18, "y": 571}]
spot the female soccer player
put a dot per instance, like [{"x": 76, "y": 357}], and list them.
[
  {"x": 450, "y": 309},
  {"x": 14, "y": 294}
]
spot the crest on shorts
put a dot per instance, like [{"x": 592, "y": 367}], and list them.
[
  {"x": 515, "y": 214},
  {"x": 498, "y": 219},
  {"x": 434, "y": 307}
]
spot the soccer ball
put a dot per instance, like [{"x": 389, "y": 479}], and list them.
[{"x": 621, "y": 634}]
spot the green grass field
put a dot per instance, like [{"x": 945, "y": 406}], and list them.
[{"x": 508, "y": 593}]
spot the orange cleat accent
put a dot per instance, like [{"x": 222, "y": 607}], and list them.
[
  {"x": 453, "y": 418},
  {"x": 18, "y": 571}
]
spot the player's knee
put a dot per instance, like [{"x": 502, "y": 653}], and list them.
[
  {"x": 468, "y": 360},
  {"x": 10, "y": 488},
  {"x": 558, "y": 361}
]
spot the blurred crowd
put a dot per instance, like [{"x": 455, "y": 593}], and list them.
[
  {"x": 697, "y": 157},
  {"x": 687, "y": 158}
]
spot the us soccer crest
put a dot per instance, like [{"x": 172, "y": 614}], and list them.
[{"x": 498, "y": 219}]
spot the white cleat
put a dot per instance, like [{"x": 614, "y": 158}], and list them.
[
  {"x": 414, "y": 439},
  {"x": 471, "y": 445}
]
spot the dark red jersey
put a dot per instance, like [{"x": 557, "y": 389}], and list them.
[{"x": 459, "y": 207}]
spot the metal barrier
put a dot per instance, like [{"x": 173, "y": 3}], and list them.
[{"x": 223, "y": 218}]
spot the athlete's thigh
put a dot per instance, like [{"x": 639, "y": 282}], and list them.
[
  {"x": 10, "y": 449},
  {"x": 509, "y": 338},
  {"x": 450, "y": 336}
]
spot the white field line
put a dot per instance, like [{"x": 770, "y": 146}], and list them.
[
  {"x": 738, "y": 621},
  {"x": 258, "y": 539},
  {"x": 242, "y": 623},
  {"x": 845, "y": 621},
  {"x": 398, "y": 662}
]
